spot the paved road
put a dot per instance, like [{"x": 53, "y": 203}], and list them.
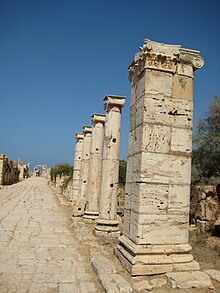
[{"x": 38, "y": 250}]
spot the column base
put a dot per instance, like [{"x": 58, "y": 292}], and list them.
[
  {"x": 151, "y": 259},
  {"x": 106, "y": 228},
  {"x": 90, "y": 216}
]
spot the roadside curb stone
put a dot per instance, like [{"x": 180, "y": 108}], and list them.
[
  {"x": 214, "y": 274},
  {"x": 107, "y": 274},
  {"x": 188, "y": 280}
]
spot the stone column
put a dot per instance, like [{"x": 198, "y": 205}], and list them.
[
  {"x": 107, "y": 224},
  {"x": 79, "y": 206},
  {"x": 75, "y": 194},
  {"x": 95, "y": 168},
  {"x": 158, "y": 180}
]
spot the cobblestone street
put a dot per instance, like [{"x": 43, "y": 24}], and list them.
[{"x": 38, "y": 250}]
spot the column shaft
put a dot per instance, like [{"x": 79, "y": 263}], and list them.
[
  {"x": 79, "y": 208},
  {"x": 77, "y": 170},
  {"x": 95, "y": 168},
  {"x": 107, "y": 224}
]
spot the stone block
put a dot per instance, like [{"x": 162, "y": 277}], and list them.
[
  {"x": 181, "y": 141},
  {"x": 178, "y": 199},
  {"x": 185, "y": 70},
  {"x": 152, "y": 138},
  {"x": 165, "y": 111},
  {"x": 158, "y": 82},
  {"x": 68, "y": 288},
  {"x": 149, "y": 199},
  {"x": 161, "y": 168},
  {"x": 187, "y": 280},
  {"x": 108, "y": 275},
  {"x": 144, "y": 228},
  {"x": 214, "y": 274},
  {"x": 142, "y": 286},
  {"x": 127, "y": 219},
  {"x": 182, "y": 87}
]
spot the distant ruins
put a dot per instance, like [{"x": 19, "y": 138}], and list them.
[
  {"x": 42, "y": 173},
  {"x": 12, "y": 171}
]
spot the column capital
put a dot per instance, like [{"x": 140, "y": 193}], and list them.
[
  {"x": 98, "y": 118},
  {"x": 87, "y": 129},
  {"x": 111, "y": 101},
  {"x": 79, "y": 136},
  {"x": 164, "y": 57}
]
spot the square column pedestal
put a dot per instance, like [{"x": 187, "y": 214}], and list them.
[{"x": 156, "y": 221}]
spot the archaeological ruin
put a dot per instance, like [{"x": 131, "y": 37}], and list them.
[
  {"x": 95, "y": 168},
  {"x": 156, "y": 225},
  {"x": 147, "y": 219},
  {"x": 12, "y": 171},
  {"x": 107, "y": 223},
  {"x": 157, "y": 191}
]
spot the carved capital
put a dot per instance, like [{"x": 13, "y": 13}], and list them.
[
  {"x": 87, "y": 130},
  {"x": 111, "y": 101},
  {"x": 98, "y": 118},
  {"x": 79, "y": 136},
  {"x": 192, "y": 58},
  {"x": 162, "y": 57}
]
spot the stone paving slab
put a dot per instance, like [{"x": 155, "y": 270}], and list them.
[{"x": 38, "y": 250}]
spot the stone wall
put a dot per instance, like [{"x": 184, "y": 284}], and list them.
[
  {"x": 9, "y": 172},
  {"x": 204, "y": 207},
  {"x": 24, "y": 170}
]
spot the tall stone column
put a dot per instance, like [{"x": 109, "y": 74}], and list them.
[
  {"x": 158, "y": 180},
  {"x": 95, "y": 168},
  {"x": 107, "y": 224},
  {"x": 77, "y": 170},
  {"x": 79, "y": 207}
]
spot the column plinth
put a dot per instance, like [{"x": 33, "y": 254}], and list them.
[
  {"x": 156, "y": 214},
  {"x": 107, "y": 223}
]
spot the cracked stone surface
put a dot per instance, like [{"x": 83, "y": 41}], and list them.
[{"x": 38, "y": 249}]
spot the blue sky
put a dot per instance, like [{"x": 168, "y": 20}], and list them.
[{"x": 58, "y": 59}]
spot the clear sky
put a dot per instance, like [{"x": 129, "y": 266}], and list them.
[{"x": 59, "y": 58}]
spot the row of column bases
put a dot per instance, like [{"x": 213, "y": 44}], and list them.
[{"x": 157, "y": 191}]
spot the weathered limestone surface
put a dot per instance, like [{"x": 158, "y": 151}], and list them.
[
  {"x": 187, "y": 280},
  {"x": 107, "y": 224},
  {"x": 214, "y": 274},
  {"x": 39, "y": 252},
  {"x": 79, "y": 203},
  {"x": 157, "y": 189},
  {"x": 95, "y": 168},
  {"x": 77, "y": 169},
  {"x": 9, "y": 172},
  {"x": 107, "y": 274}
]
